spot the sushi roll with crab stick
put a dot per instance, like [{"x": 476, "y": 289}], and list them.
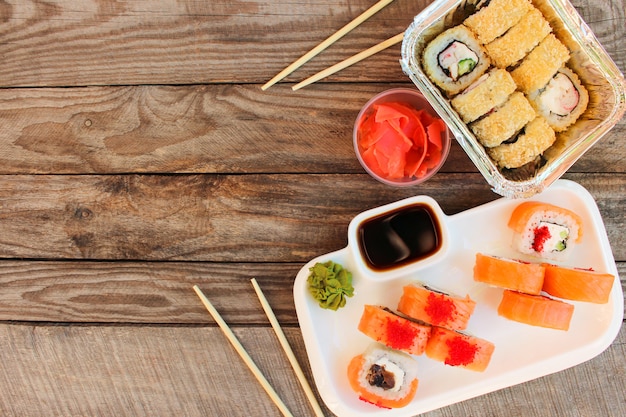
[
  {"x": 435, "y": 307},
  {"x": 535, "y": 310},
  {"x": 540, "y": 65},
  {"x": 578, "y": 284},
  {"x": 455, "y": 348},
  {"x": 504, "y": 121},
  {"x": 518, "y": 41},
  {"x": 562, "y": 100},
  {"x": 488, "y": 92},
  {"x": 496, "y": 18},
  {"x": 454, "y": 59},
  {"x": 545, "y": 230},
  {"x": 393, "y": 330},
  {"x": 525, "y": 147},
  {"x": 384, "y": 377}
]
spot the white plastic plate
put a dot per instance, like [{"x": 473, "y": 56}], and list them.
[{"x": 522, "y": 352}]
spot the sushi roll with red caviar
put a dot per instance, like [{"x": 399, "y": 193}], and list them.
[
  {"x": 535, "y": 310},
  {"x": 509, "y": 273},
  {"x": 384, "y": 377},
  {"x": 454, "y": 60},
  {"x": 434, "y": 307},
  {"x": 459, "y": 349},
  {"x": 393, "y": 330},
  {"x": 562, "y": 100},
  {"x": 545, "y": 230}
]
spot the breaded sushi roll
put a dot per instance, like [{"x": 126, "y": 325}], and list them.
[
  {"x": 504, "y": 121},
  {"x": 518, "y": 41},
  {"x": 454, "y": 59},
  {"x": 540, "y": 64},
  {"x": 384, "y": 377},
  {"x": 489, "y": 91},
  {"x": 562, "y": 101},
  {"x": 496, "y": 18},
  {"x": 532, "y": 141}
]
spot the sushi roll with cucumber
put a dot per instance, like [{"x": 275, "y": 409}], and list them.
[
  {"x": 384, "y": 377},
  {"x": 544, "y": 230},
  {"x": 562, "y": 100},
  {"x": 531, "y": 142},
  {"x": 454, "y": 60},
  {"x": 541, "y": 64},
  {"x": 517, "y": 42},
  {"x": 504, "y": 121},
  {"x": 489, "y": 91},
  {"x": 496, "y": 18}
]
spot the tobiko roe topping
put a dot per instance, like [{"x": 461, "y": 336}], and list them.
[{"x": 397, "y": 141}]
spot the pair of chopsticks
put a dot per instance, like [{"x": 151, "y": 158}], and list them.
[
  {"x": 248, "y": 360},
  {"x": 329, "y": 41}
]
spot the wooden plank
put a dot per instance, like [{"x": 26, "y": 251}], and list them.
[
  {"x": 224, "y": 218},
  {"x": 148, "y": 292},
  {"x": 198, "y": 42},
  {"x": 193, "y": 371},
  {"x": 206, "y": 129}
]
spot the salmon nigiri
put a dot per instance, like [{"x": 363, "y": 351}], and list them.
[
  {"x": 545, "y": 230},
  {"x": 508, "y": 273},
  {"x": 436, "y": 308},
  {"x": 536, "y": 310},
  {"x": 578, "y": 284},
  {"x": 459, "y": 349},
  {"x": 394, "y": 331}
]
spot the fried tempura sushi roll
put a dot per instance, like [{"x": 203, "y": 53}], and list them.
[
  {"x": 393, "y": 330},
  {"x": 454, "y": 59},
  {"x": 532, "y": 141},
  {"x": 504, "y": 121},
  {"x": 496, "y": 18},
  {"x": 459, "y": 349},
  {"x": 489, "y": 91},
  {"x": 384, "y": 377},
  {"x": 540, "y": 65},
  {"x": 562, "y": 101},
  {"x": 518, "y": 41},
  {"x": 435, "y": 307}
]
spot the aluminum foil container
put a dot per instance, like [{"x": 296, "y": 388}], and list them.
[{"x": 603, "y": 80}]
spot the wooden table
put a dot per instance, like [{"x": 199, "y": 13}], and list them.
[{"x": 139, "y": 156}]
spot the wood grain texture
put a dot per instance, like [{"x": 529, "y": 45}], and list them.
[
  {"x": 206, "y": 129},
  {"x": 193, "y": 371},
  {"x": 148, "y": 292}
]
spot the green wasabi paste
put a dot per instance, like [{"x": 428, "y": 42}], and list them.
[{"x": 330, "y": 284}]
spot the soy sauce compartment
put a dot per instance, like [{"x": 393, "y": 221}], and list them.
[{"x": 392, "y": 239}]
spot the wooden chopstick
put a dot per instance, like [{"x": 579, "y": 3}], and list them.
[
  {"x": 287, "y": 348},
  {"x": 242, "y": 352},
  {"x": 326, "y": 43},
  {"x": 350, "y": 61}
]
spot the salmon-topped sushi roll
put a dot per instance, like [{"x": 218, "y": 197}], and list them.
[
  {"x": 578, "y": 284},
  {"x": 535, "y": 310},
  {"x": 509, "y": 273},
  {"x": 393, "y": 330},
  {"x": 545, "y": 230},
  {"x": 384, "y": 377},
  {"x": 459, "y": 349},
  {"x": 437, "y": 308}
]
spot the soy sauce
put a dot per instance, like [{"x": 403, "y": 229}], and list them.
[{"x": 399, "y": 237}]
